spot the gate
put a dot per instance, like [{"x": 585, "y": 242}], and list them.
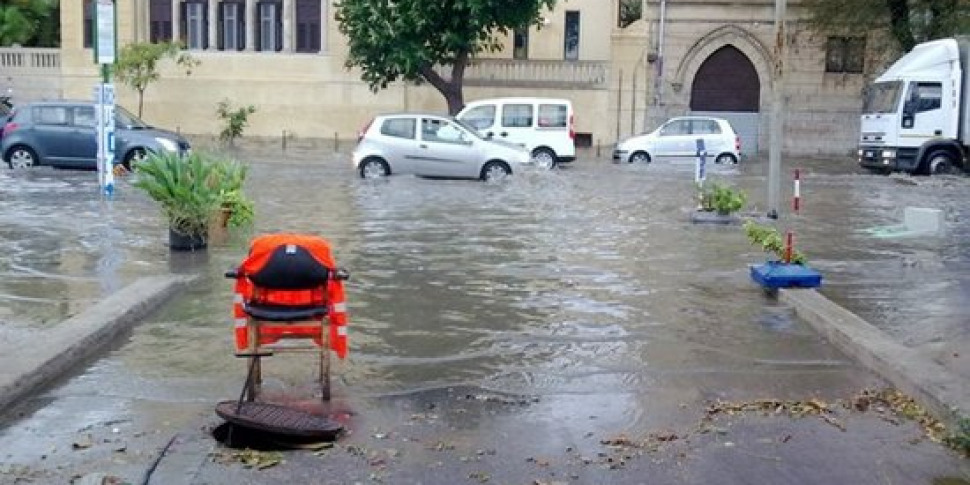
[{"x": 726, "y": 86}]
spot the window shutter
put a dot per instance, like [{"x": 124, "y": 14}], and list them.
[
  {"x": 184, "y": 24},
  {"x": 221, "y": 27},
  {"x": 241, "y": 30},
  {"x": 205, "y": 25},
  {"x": 278, "y": 8}
]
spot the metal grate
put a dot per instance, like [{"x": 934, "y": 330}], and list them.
[{"x": 278, "y": 419}]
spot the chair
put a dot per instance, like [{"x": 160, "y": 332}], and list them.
[{"x": 288, "y": 288}]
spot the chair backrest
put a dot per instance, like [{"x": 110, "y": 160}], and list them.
[{"x": 287, "y": 269}]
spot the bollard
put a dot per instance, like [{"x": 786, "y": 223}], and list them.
[
  {"x": 336, "y": 143},
  {"x": 599, "y": 144},
  {"x": 284, "y": 140},
  {"x": 796, "y": 198}
]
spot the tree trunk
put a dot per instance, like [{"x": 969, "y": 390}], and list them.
[
  {"x": 451, "y": 89},
  {"x": 141, "y": 101}
]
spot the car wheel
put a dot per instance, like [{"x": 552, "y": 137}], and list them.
[
  {"x": 134, "y": 157},
  {"x": 21, "y": 157},
  {"x": 495, "y": 171},
  {"x": 726, "y": 159},
  {"x": 640, "y": 157},
  {"x": 374, "y": 168},
  {"x": 939, "y": 163},
  {"x": 544, "y": 158}
]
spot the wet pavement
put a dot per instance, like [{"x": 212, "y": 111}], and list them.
[{"x": 505, "y": 330}]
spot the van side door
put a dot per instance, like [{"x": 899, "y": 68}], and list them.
[
  {"x": 516, "y": 124},
  {"x": 482, "y": 118}
]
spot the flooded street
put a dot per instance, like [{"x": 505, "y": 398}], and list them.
[{"x": 561, "y": 307}]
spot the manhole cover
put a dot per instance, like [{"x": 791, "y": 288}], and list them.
[{"x": 274, "y": 418}]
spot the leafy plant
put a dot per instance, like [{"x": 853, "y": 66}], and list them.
[
  {"x": 412, "y": 40},
  {"x": 30, "y": 23},
  {"x": 187, "y": 189},
  {"x": 234, "y": 120},
  {"x": 137, "y": 65},
  {"x": 722, "y": 198},
  {"x": 770, "y": 241},
  {"x": 232, "y": 198}
]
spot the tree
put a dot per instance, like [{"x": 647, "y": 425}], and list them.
[
  {"x": 30, "y": 23},
  {"x": 908, "y": 22},
  {"x": 137, "y": 65},
  {"x": 408, "y": 39}
]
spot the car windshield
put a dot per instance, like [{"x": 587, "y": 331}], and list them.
[
  {"x": 882, "y": 97},
  {"x": 128, "y": 120},
  {"x": 469, "y": 128}
]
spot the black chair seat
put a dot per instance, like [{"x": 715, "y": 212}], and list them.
[{"x": 276, "y": 313}]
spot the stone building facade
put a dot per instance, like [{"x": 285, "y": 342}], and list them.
[{"x": 286, "y": 57}]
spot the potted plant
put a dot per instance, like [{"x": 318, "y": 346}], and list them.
[
  {"x": 235, "y": 208},
  {"x": 787, "y": 269},
  {"x": 187, "y": 190},
  {"x": 718, "y": 204}
]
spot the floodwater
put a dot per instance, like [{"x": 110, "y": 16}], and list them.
[{"x": 585, "y": 289}]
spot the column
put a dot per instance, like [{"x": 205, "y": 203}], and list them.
[
  {"x": 252, "y": 16},
  {"x": 213, "y": 24},
  {"x": 176, "y": 20},
  {"x": 289, "y": 25}
]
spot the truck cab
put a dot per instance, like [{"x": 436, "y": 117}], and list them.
[{"x": 915, "y": 115}]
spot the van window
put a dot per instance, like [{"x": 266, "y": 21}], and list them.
[
  {"x": 517, "y": 116},
  {"x": 50, "y": 115},
  {"x": 84, "y": 116},
  {"x": 399, "y": 127},
  {"x": 480, "y": 117},
  {"x": 553, "y": 115}
]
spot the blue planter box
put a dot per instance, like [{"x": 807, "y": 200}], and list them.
[{"x": 776, "y": 274}]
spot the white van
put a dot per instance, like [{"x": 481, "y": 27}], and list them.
[{"x": 544, "y": 126}]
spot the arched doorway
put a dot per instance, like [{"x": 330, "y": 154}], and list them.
[{"x": 726, "y": 85}]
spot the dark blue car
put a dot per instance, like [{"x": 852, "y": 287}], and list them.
[{"x": 62, "y": 134}]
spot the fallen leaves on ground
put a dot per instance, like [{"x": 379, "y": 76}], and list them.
[{"x": 255, "y": 459}]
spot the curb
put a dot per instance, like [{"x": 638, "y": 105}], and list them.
[
  {"x": 942, "y": 392},
  {"x": 26, "y": 369}
]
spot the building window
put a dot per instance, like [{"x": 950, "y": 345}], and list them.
[
  {"x": 308, "y": 17},
  {"x": 845, "y": 54},
  {"x": 571, "y": 41},
  {"x": 269, "y": 26},
  {"x": 520, "y": 43},
  {"x": 88, "y": 40},
  {"x": 194, "y": 25},
  {"x": 629, "y": 11},
  {"x": 232, "y": 25},
  {"x": 160, "y": 21}
]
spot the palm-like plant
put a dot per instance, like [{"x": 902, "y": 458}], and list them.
[{"x": 186, "y": 187}]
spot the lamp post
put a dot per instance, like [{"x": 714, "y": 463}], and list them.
[{"x": 777, "y": 124}]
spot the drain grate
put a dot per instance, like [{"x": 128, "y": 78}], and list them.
[{"x": 274, "y": 418}]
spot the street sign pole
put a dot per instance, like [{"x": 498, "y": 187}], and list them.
[{"x": 104, "y": 55}]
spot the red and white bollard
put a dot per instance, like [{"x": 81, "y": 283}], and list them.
[{"x": 796, "y": 205}]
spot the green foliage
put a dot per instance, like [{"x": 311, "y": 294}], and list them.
[
  {"x": 630, "y": 11},
  {"x": 908, "y": 22},
  {"x": 232, "y": 177},
  {"x": 959, "y": 440},
  {"x": 770, "y": 241},
  {"x": 137, "y": 65},
  {"x": 407, "y": 39},
  {"x": 722, "y": 198},
  {"x": 30, "y": 23},
  {"x": 187, "y": 189},
  {"x": 234, "y": 120}
]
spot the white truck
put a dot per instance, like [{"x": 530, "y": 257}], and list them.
[{"x": 916, "y": 115}]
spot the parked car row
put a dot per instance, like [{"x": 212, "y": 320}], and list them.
[{"x": 63, "y": 134}]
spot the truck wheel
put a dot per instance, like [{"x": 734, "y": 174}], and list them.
[{"x": 939, "y": 162}]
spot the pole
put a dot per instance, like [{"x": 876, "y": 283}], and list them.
[
  {"x": 105, "y": 28},
  {"x": 619, "y": 103},
  {"x": 796, "y": 197},
  {"x": 776, "y": 126}
]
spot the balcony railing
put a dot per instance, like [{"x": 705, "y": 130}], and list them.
[
  {"x": 12, "y": 58},
  {"x": 535, "y": 73}
]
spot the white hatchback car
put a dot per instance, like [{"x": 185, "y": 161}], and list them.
[
  {"x": 431, "y": 145},
  {"x": 678, "y": 139}
]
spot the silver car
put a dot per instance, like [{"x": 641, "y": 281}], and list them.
[{"x": 431, "y": 145}]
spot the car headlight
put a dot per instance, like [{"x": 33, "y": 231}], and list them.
[
  {"x": 167, "y": 144},
  {"x": 888, "y": 154}
]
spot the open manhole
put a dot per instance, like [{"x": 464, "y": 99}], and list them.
[{"x": 274, "y": 424}]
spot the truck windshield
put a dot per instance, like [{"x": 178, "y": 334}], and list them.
[{"x": 882, "y": 97}]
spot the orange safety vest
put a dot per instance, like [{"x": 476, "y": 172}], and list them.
[{"x": 331, "y": 294}]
